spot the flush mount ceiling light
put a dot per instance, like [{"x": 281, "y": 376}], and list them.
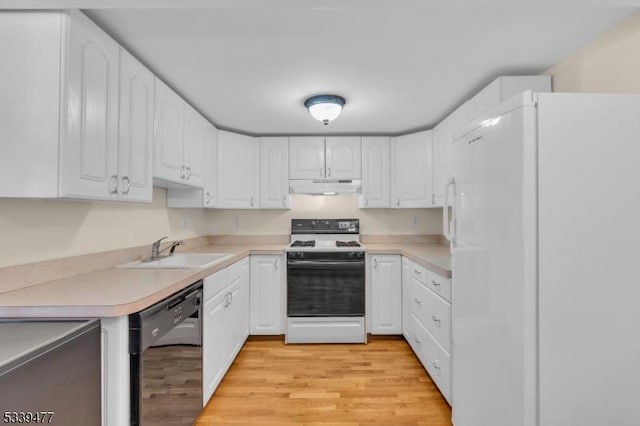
[{"x": 325, "y": 108}]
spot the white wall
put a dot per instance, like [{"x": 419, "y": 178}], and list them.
[
  {"x": 372, "y": 221},
  {"x": 35, "y": 230},
  {"x": 608, "y": 64}
]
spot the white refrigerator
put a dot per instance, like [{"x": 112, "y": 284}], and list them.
[{"x": 545, "y": 233}]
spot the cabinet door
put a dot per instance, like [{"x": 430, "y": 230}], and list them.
[
  {"x": 88, "y": 162},
  {"x": 344, "y": 157},
  {"x": 215, "y": 342},
  {"x": 266, "y": 294},
  {"x": 406, "y": 296},
  {"x": 386, "y": 294},
  {"x": 375, "y": 172},
  {"x": 135, "y": 142},
  {"x": 238, "y": 171},
  {"x": 411, "y": 171},
  {"x": 168, "y": 162},
  {"x": 442, "y": 156},
  {"x": 210, "y": 192},
  {"x": 274, "y": 173},
  {"x": 306, "y": 157},
  {"x": 238, "y": 313},
  {"x": 194, "y": 140}
]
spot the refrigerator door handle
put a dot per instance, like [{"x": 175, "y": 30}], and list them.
[{"x": 446, "y": 223}]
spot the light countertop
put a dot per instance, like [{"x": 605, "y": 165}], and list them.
[{"x": 115, "y": 291}]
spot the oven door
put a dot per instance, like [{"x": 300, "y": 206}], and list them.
[{"x": 325, "y": 287}]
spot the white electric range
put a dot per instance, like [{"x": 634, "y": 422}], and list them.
[{"x": 325, "y": 282}]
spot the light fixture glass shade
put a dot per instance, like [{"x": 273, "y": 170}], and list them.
[{"x": 325, "y": 108}]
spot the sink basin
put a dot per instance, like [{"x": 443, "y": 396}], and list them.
[{"x": 180, "y": 260}]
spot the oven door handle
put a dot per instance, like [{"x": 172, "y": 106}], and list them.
[{"x": 310, "y": 264}]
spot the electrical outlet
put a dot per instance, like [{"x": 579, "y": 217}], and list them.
[
  {"x": 414, "y": 221},
  {"x": 236, "y": 222}
]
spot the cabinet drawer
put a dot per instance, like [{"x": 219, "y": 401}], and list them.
[
  {"x": 433, "y": 312},
  {"x": 440, "y": 285},
  {"x": 418, "y": 272},
  {"x": 214, "y": 284},
  {"x": 432, "y": 356},
  {"x": 234, "y": 271}
]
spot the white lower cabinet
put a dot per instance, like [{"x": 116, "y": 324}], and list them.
[
  {"x": 427, "y": 321},
  {"x": 225, "y": 322},
  {"x": 267, "y": 278},
  {"x": 386, "y": 294}
]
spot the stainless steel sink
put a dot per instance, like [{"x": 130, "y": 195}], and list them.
[{"x": 180, "y": 261}]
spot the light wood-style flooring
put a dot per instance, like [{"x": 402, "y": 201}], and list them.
[{"x": 271, "y": 383}]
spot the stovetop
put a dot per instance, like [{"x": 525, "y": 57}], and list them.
[{"x": 325, "y": 235}]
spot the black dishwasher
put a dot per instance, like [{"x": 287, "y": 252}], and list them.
[{"x": 166, "y": 380}]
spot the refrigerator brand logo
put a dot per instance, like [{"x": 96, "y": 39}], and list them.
[{"x": 476, "y": 139}]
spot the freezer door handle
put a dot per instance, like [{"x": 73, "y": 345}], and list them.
[{"x": 446, "y": 222}]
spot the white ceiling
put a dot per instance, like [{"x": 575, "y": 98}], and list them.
[{"x": 401, "y": 65}]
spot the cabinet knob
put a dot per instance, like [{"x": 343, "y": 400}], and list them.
[
  {"x": 435, "y": 365},
  {"x": 251, "y": 201},
  {"x": 275, "y": 263},
  {"x": 417, "y": 340},
  {"x": 126, "y": 185},
  {"x": 328, "y": 171},
  {"x": 375, "y": 263},
  {"x": 113, "y": 184},
  {"x": 284, "y": 201},
  {"x": 436, "y": 319},
  {"x": 398, "y": 202}
]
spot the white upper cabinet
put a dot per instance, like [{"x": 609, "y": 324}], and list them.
[
  {"x": 194, "y": 139},
  {"x": 237, "y": 171},
  {"x": 89, "y": 154},
  {"x": 207, "y": 196},
  {"x": 178, "y": 140},
  {"x": 274, "y": 173},
  {"x": 135, "y": 143},
  {"x": 62, "y": 98},
  {"x": 317, "y": 157},
  {"x": 210, "y": 191},
  {"x": 376, "y": 176},
  {"x": 442, "y": 160},
  {"x": 168, "y": 161},
  {"x": 343, "y": 157},
  {"x": 306, "y": 157},
  {"x": 503, "y": 88},
  {"x": 411, "y": 163}
]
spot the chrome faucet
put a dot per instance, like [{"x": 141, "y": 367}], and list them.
[{"x": 155, "y": 248}]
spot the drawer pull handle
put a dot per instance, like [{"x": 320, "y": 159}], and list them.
[
  {"x": 417, "y": 301},
  {"x": 436, "y": 284},
  {"x": 436, "y": 320},
  {"x": 435, "y": 365},
  {"x": 417, "y": 340},
  {"x": 415, "y": 271}
]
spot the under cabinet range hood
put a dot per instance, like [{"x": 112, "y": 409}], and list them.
[{"x": 324, "y": 187}]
